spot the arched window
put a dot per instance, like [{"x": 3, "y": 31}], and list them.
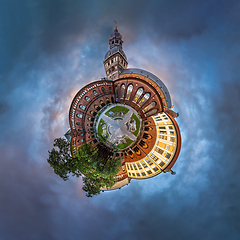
[
  {"x": 116, "y": 90},
  {"x": 122, "y": 91},
  {"x": 129, "y": 91},
  {"x": 144, "y": 99},
  {"x": 110, "y": 89},
  {"x": 151, "y": 105},
  {"x": 103, "y": 90},
  {"x": 151, "y": 112},
  {"x": 79, "y": 115},
  {"x": 87, "y": 98},
  {"x": 97, "y": 107},
  {"x": 137, "y": 95},
  {"x": 82, "y": 107},
  {"x": 95, "y": 92}
]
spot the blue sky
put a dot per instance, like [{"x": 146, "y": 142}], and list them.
[{"x": 50, "y": 49}]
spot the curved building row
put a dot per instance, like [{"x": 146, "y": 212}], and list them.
[{"x": 127, "y": 114}]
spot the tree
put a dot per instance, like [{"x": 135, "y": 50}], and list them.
[
  {"x": 61, "y": 160},
  {"x": 99, "y": 171},
  {"x": 90, "y": 162}
]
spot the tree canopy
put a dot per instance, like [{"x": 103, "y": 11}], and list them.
[{"x": 98, "y": 171}]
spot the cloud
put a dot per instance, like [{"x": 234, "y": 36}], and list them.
[{"x": 50, "y": 49}]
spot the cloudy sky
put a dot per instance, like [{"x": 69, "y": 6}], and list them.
[{"x": 50, "y": 49}]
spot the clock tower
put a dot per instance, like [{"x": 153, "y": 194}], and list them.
[{"x": 115, "y": 59}]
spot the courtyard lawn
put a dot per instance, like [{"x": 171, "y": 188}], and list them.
[
  {"x": 137, "y": 124},
  {"x": 124, "y": 145},
  {"x": 100, "y": 130},
  {"x": 117, "y": 109}
]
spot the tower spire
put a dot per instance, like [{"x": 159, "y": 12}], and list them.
[{"x": 115, "y": 59}]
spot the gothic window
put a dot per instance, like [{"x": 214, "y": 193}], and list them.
[
  {"x": 79, "y": 115},
  {"x": 122, "y": 91},
  {"x": 151, "y": 105},
  {"x": 87, "y": 98},
  {"x": 144, "y": 99},
  {"x": 82, "y": 107},
  {"x": 129, "y": 91},
  {"x": 143, "y": 144},
  {"x": 137, "y": 95},
  {"x": 95, "y": 92},
  {"x": 97, "y": 107},
  {"x": 116, "y": 90},
  {"x": 147, "y": 136},
  {"x": 103, "y": 90},
  {"x": 151, "y": 112}
]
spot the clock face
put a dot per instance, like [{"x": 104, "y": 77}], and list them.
[{"x": 109, "y": 53}]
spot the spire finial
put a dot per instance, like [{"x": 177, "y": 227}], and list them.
[{"x": 116, "y": 24}]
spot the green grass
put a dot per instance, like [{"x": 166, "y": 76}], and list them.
[
  {"x": 117, "y": 109},
  {"x": 137, "y": 124},
  {"x": 100, "y": 130},
  {"x": 124, "y": 145}
]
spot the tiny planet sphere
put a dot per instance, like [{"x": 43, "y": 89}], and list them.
[{"x": 127, "y": 114}]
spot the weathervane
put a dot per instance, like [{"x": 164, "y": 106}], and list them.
[{"x": 116, "y": 24}]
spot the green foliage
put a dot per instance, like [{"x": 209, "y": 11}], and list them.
[
  {"x": 61, "y": 160},
  {"x": 98, "y": 171},
  {"x": 91, "y": 187},
  {"x": 96, "y": 167},
  {"x": 124, "y": 145},
  {"x": 137, "y": 124}
]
